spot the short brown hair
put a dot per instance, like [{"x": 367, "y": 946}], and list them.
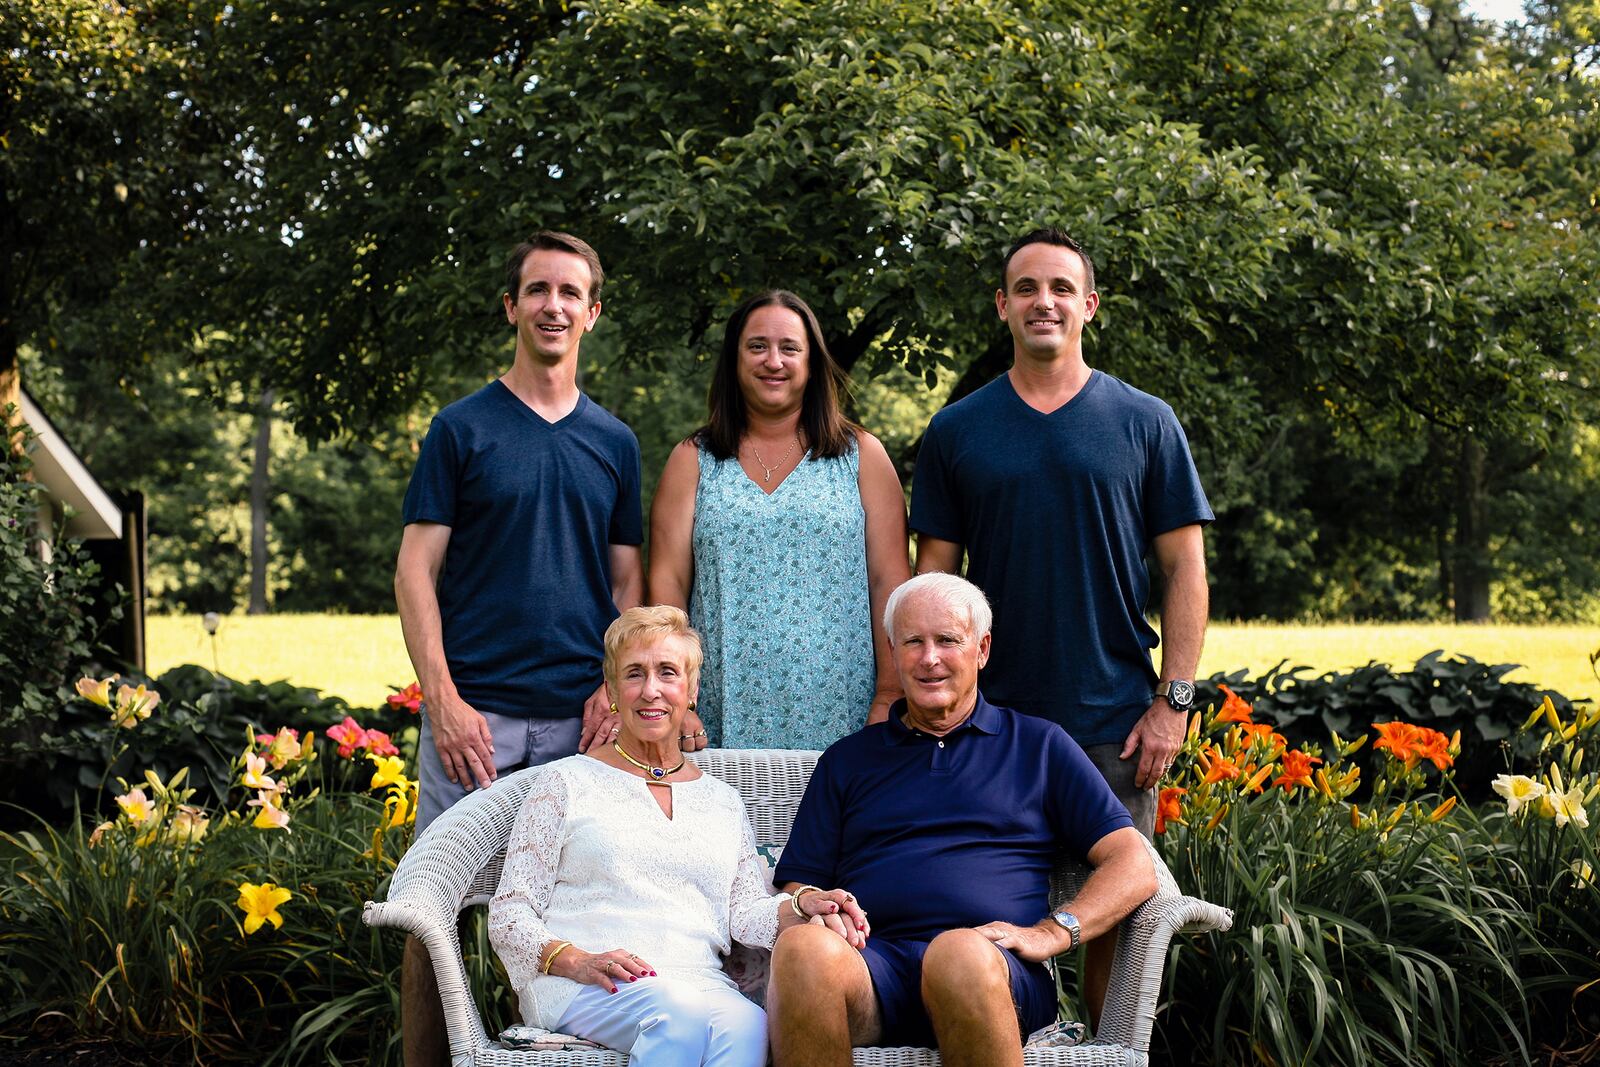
[
  {"x": 554, "y": 241},
  {"x": 650, "y": 624},
  {"x": 1049, "y": 235},
  {"x": 828, "y": 432}
]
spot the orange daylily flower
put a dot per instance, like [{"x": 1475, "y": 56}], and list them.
[
  {"x": 1169, "y": 808},
  {"x": 1260, "y": 731},
  {"x": 1410, "y": 744},
  {"x": 1296, "y": 770},
  {"x": 1234, "y": 709},
  {"x": 1217, "y": 766}
]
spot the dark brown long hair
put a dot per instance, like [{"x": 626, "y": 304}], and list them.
[{"x": 828, "y": 433}]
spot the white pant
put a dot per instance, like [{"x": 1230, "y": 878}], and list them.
[{"x": 659, "y": 1023}]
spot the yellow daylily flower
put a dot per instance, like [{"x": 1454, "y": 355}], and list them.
[
  {"x": 1568, "y": 807},
  {"x": 1518, "y": 789},
  {"x": 134, "y": 705},
  {"x": 136, "y": 806},
  {"x": 1550, "y": 715},
  {"x": 255, "y": 773},
  {"x": 271, "y": 816},
  {"x": 260, "y": 905},
  {"x": 398, "y": 809},
  {"x": 96, "y": 692},
  {"x": 1582, "y": 871},
  {"x": 189, "y": 825},
  {"x": 391, "y": 770}
]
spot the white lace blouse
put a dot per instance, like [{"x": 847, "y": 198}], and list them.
[{"x": 594, "y": 860}]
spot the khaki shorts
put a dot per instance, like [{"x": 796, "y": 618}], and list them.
[{"x": 1119, "y": 774}]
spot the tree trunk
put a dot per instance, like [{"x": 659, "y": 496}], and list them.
[
  {"x": 260, "y": 492},
  {"x": 1472, "y": 569}
]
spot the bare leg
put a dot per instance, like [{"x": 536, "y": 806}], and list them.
[
  {"x": 966, "y": 987},
  {"x": 819, "y": 999},
  {"x": 1097, "y": 957},
  {"x": 423, "y": 1036}
]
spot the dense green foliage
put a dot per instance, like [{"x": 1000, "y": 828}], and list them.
[
  {"x": 1455, "y": 694},
  {"x": 1354, "y": 248},
  {"x": 49, "y": 619}
]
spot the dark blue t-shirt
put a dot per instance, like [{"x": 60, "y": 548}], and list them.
[
  {"x": 532, "y": 506},
  {"x": 934, "y": 833},
  {"x": 1057, "y": 513}
]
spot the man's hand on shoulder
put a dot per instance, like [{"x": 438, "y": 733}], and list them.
[
  {"x": 1035, "y": 943},
  {"x": 599, "y": 721},
  {"x": 1154, "y": 741},
  {"x": 466, "y": 747}
]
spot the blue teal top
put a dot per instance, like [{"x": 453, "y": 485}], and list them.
[
  {"x": 532, "y": 506},
  {"x": 934, "y": 833},
  {"x": 1057, "y": 512},
  {"x": 781, "y": 602}
]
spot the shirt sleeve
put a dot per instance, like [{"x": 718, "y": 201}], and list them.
[
  {"x": 753, "y": 908},
  {"x": 935, "y": 504},
  {"x": 1079, "y": 804},
  {"x": 1173, "y": 496},
  {"x": 811, "y": 856},
  {"x": 431, "y": 494},
  {"x": 533, "y": 857},
  {"x": 627, "y": 518}
]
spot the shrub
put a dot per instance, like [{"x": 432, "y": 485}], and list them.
[
  {"x": 1448, "y": 694},
  {"x": 47, "y": 624},
  {"x": 1385, "y": 924}
]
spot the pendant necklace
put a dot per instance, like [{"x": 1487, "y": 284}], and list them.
[
  {"x": 655, "y": 773},
  {"x": 766, "y": 471}
]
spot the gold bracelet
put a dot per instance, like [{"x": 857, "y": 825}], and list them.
[
  {"x": 550, "y": 960},
  {"x": 794, "y": 900}
]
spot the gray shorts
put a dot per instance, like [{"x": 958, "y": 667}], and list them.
[
  {"x": 1119, "y": 774},
  {"x": 518, "y": 743}
]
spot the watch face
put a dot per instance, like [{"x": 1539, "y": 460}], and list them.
[{"x": 1181, "y": 695}]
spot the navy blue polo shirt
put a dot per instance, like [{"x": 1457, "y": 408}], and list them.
[{"x": 935, "y": 833}]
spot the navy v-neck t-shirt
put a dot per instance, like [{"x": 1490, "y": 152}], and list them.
[
  {"x": 533, "y": 508},
  {"x": 1057, "y": 512}
]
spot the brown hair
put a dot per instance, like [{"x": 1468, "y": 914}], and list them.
[
  {"x": 828, "y": 433},
  {"x": 554, "y": 241},
  {"x": 1049, "y": 235},
  {"x": 650, "y": 624}
]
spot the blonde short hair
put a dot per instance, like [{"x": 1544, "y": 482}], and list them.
[{"x": 648, "y": 625}]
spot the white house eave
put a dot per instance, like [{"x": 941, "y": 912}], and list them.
[{"x": 57, "y": 467}]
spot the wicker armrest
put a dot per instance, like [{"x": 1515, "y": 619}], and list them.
[{"x": 1141, "y": 958}]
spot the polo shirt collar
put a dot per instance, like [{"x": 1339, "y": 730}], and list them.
[{"x": 985, "y": 719}]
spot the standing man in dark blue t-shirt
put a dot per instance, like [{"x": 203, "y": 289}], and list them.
[
  {"x": 521, "y": 545},
  {"x": 1058, "y": 481}
]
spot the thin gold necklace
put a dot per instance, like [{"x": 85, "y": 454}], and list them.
[
  {"x": 656, "y": 773},
  {"x": 766, "y": 471}
]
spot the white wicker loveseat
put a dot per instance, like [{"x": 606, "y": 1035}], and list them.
[{"x": 457, "y": 862}]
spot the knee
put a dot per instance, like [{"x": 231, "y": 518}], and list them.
[
  {"x": 961, "y": 964},
  {"x": 808, "y": 953},
  {"x": 678, "y": 1016}
]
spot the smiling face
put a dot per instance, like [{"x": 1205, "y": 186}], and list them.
[
  {"x": 1045, "y": 302},
  {"x": 938, "y": 658},
  {"x": 551, "y": 310},
  {"x": 653, "y": 689},
  {"x": 774, "y": 360}
]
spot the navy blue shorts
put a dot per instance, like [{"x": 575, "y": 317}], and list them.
[{"x": 896, "y": 968}]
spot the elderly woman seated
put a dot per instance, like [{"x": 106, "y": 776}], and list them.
[{"x": 629, "y": 871}]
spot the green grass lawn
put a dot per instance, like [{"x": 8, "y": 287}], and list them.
[{"x": 360, "y": 657}]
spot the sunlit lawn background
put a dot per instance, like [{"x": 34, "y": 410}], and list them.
[{"x": 362, "y": 657}]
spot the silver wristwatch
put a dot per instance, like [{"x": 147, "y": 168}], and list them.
[
  {"x": 1178, "y": 693},
  {"x": 1068, "y": 922}
]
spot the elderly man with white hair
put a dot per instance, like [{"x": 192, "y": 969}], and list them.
[{"x": 945, "y": 822}]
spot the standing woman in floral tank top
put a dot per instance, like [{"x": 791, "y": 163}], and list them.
[{"x": 780, "y": 525}]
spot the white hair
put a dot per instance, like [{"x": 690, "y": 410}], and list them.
[{"x": 955, "y": 591}]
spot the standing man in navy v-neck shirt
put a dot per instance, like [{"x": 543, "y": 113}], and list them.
[
  {"x": 1058, "y": 481},
  {"x": 521, "y": 545}
]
